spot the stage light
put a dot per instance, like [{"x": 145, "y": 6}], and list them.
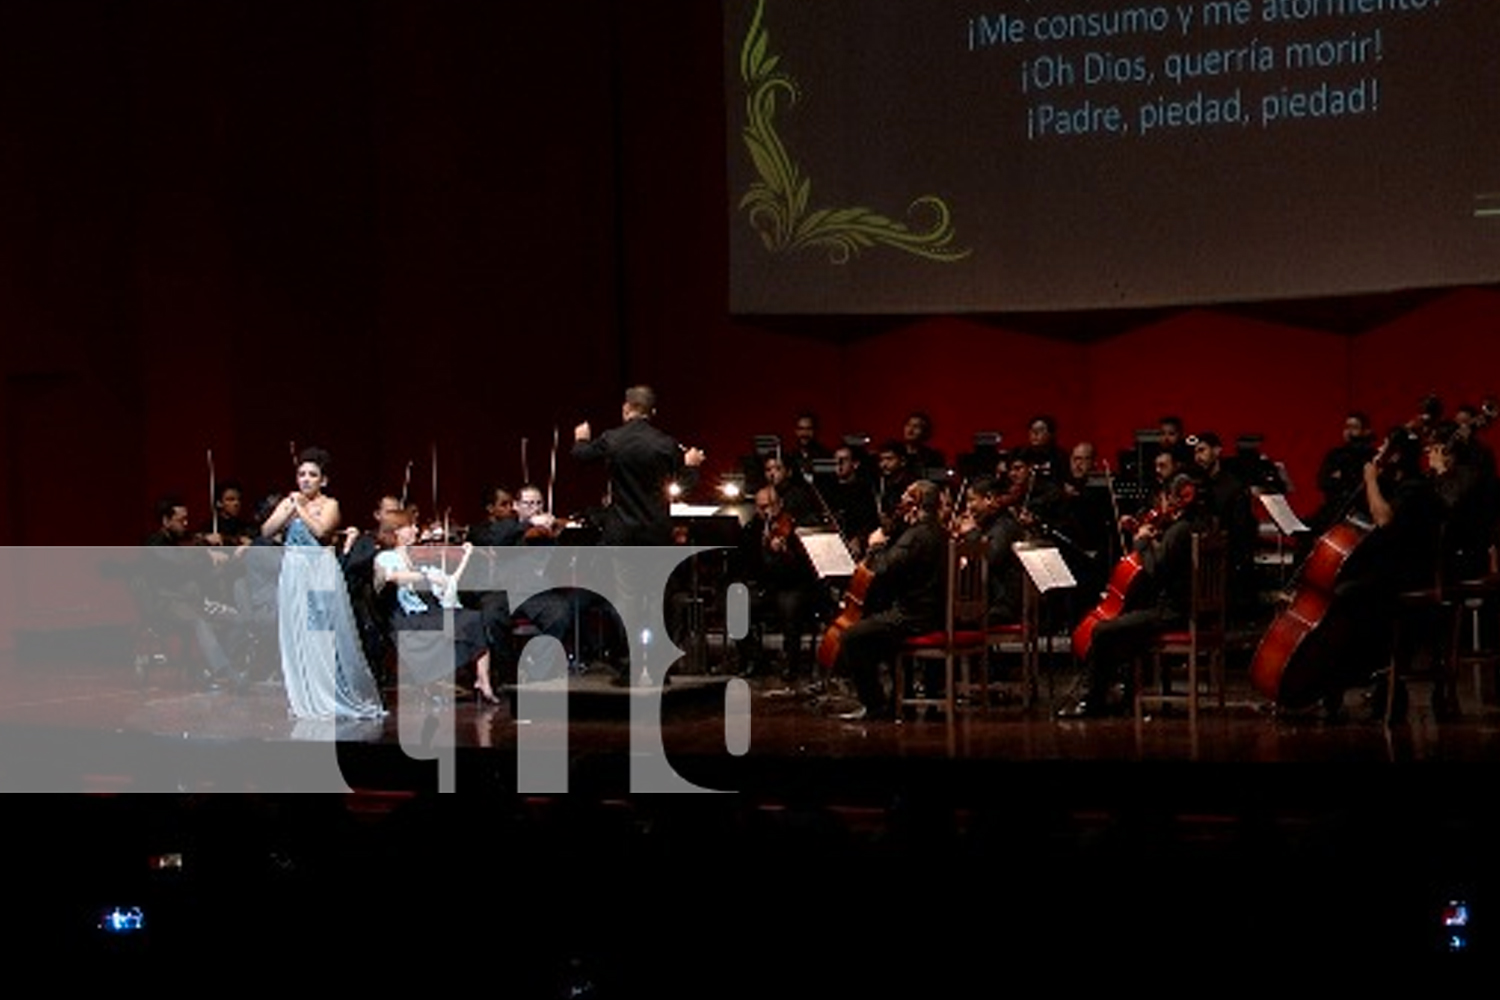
[{"x": 674, "y": 490}]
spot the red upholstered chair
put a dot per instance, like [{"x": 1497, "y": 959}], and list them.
[
  {"x": 1203, "y": 640},
  {"x": 962, "y": 638}
]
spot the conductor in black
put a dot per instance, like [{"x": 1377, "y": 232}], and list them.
[{"x": 643, "y": 463}]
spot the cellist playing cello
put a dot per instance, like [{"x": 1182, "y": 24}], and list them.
[
  {"x": 910, "y": 574},
  {"x": 1159, "y": 598},
  {"x": 1399, "y": 556},
  {"x": 1391, "y": 548}
]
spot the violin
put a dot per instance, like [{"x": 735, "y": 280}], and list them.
[{"x": 1123, "y": 580}]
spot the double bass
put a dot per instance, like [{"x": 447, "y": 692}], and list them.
[
  {"x": 1123, "y": 580},
  {"x": 1295, "y": 651}
]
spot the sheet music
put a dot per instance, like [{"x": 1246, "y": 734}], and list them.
[
  {"x": 1045, "y": 565},
  {"x": 1281, "y": 512},
  {"x": 693, "y": 510},
  {"x": 829, "y": 555}
]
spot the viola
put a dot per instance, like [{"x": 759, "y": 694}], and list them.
[
  {"x": 784, "y": 526},
  {"x": 1123, "y": 580}
]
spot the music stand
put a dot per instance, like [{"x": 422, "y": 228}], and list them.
[
  {"x": 767, "y": 445},
  {"x": 1287, "y": 524},
  {"x": 1144, "y": 440},
  {"x": 711, "y": 527},
  {"x": 1046, "y": 569}
]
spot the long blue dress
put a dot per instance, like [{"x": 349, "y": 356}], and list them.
[{"x": 322, "y": 661}]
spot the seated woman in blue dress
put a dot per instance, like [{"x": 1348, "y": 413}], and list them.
[{"x": 424, "y": 597}]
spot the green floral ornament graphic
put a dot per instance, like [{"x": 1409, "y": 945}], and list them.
[{"x": 777, "y": 203}]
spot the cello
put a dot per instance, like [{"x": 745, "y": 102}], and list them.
[
  {"x": 1122, "y": 580},
  {"x": 1290, "y": 659},
  {"x": 853, "y": 607}
]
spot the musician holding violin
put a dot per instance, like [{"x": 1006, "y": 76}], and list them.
[
  {"x": 1155, "y": 599},
  {"x": 785, "y": 592}
]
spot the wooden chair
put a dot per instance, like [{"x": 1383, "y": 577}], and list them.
[
  {"x": 1205, "y": 638},
  {"x": 962, "y": 638},
  {"x": 1022, "y": 638},
  {"x": 1444, "y": 605},
  {"x": 1476, "y": 600}
]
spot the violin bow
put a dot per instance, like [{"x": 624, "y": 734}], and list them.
[
  {"x": 525, "y": 466},
  {"x": 213, "y": 492},
  {"x": 406, "y": 483},
  {"x": 1114, "y": 505},
  {"x": 552, "y": 471},
  {"x": 434, "y": 482}
]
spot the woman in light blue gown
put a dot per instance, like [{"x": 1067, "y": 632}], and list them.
[{"x": 322, "y": 661}]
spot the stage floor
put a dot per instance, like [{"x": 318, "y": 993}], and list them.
[
  {"x": 96, "y": 707},
  {"x": 1251, "y": 833}
]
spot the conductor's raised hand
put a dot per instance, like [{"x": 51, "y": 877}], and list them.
[
  {"x": 693, "y": 457},
  {"x": 582, "y": 432}
]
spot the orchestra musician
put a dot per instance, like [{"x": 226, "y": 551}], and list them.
[
  {"x": 1469, "y": 516},
  {"x": 233, "y": 527},
  {"x": 923, "y": 461},
  {"x": 785, "y": 593},
  {"x": 1174, "y": 440},
  {"x": 1164, "y": 599},
  {"x": 894, "y": 475},
  {"x": 357, "y": 557},
  {"x": 1399, "y": 556},
  {"x": 984, "y": 518},
  {"x": 1089, "y": 509},
  {"x": 1028, "y": 503},
  {"x": 851, "y": 500},
  {"x": 1088, "y": 513},
  {"x": 176, "y": 580},
  {"x": 1229, "y": 503},
  {"x": 541, "y": 527},
  {"x": 795, "y": 495},
  {"x": 1470, "y": 450},
  {"x": 910, "y": 572},
  {"x": 806, "y": 448},
  {"x": 411, "y": 612},
  {"x": 1167, "y": 469},
  {"x": 502, "y": 524},
  {"x": 1341, "y": 471},
  {"x": 1467, "y": 497},
  {"x": 1042, "y": 453}
]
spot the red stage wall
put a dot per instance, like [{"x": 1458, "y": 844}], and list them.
[{"x": 380, "y": 228}]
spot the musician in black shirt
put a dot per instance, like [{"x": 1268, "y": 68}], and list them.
[
  {"x": 852, "y": 500},
  {"x": 910, "y": 581},
  {"x": 1341, "y": 472},
  {"x": 784, "y": 588},
  {"x": 1229, "y": 503},
  {"x": 1164, "y": 601},
  {"x": 643, "y": 462}
]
